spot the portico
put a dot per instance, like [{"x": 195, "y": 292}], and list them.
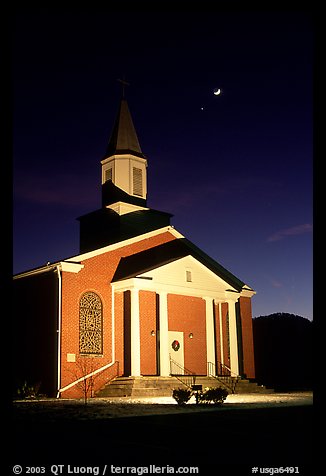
[{"x": 212, "y": 334}]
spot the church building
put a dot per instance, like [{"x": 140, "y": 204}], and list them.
[{"x": 139, "y": 299}]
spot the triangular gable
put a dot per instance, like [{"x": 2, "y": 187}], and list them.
[
  {"x": 190, "y": 273},
  {"x": 158, "y": 256}
]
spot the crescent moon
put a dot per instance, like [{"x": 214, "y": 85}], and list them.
[{"x": 217, "y": 92}]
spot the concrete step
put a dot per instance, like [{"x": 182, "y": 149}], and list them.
[
  {"x": 242, "y": 385},
  {"x": 251, "y": 387},
  {"x": 139, "y": 387},
  {"x": 163, "y": 386}
]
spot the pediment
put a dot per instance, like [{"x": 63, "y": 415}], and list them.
[{"x": 187, "y": 272}]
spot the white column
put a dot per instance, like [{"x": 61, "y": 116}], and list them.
[
  {"x": 164, "y": 335},
  {"x": 234, "y": 360},
  {"x": 210, "y": 333},
  {"x": 135, "y": 334},
  {"x": 221, "y": 331}
]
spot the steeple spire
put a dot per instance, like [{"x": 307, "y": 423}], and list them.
[
  {"x": 124, "y": 139},
  {"x": 124, "y": 164}
]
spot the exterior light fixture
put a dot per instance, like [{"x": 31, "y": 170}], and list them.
[
  {"x": 153, "y": 333},
  {"x": 191, "y": 335}
]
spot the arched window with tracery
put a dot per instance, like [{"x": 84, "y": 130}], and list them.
[{"x": 90, "y": 324}]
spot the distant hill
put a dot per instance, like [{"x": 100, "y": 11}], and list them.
[{"x": 284, "y": 357}]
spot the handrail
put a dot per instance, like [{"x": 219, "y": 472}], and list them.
[
  {"x": 186, "y": 376},
  {"x": 230, "y": 379},
  {"x": 91, "y": 374},
  {"x": 220, "y": 369}
]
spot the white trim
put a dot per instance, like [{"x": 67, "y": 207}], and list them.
[
  {"x": 234, "y": 359},
  {"x": 42, "y": 269},
  {"x": 122, "y": 208},
  {"x": 158, "y": 281},
  {"x": 75, "y": 382},
  {"x": 71, "y": 267},
  {"x": 247, "y": 292},
  {"x": 148, "y": 285},
  {"x": 135, "y": 333},
  {"x": 59, "y": 330},
  {"x": 75, "y": 260},
  {"x": 123, "y": 157},
  {"x": 66, "y": 266},
  {"x": 189, "y": 263},
  {"x": 112, "y": 326}
]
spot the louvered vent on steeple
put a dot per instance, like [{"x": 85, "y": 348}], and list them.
[{"x": 137, "y": 176}]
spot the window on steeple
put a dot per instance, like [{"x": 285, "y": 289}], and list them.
[
  {"x": 108, "y": 174},
  {"x": 137, "y": 181}
]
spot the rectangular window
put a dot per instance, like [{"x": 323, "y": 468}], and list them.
[
  {"x": 137, "y": 178},
  {"x": 188, "y": 276}
]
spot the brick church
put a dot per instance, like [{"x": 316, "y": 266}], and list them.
[{"x": 138, "y": 300}]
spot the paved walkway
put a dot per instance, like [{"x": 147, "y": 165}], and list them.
[{"x": 245, "y": 399}]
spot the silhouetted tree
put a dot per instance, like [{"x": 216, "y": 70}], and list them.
[
  {"x": 283, "y": 351},
  {"x": 85, "y": 366}
]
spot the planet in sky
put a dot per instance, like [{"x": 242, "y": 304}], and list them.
[{"x": 217, "y": 91}]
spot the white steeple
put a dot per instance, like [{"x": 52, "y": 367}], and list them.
[{"x": 124, "y": 163}]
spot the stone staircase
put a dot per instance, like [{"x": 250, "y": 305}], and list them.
[
  {"x": 139, "y": 387},
  {"x": 247, "y": 386},
  {"x": 243, "y": 385},
  {"x": 163, "y": 386}
]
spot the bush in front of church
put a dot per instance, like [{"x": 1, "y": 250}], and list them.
[
  {"x": 215, "y": 395},
  {"x": 181, "y": 395},
  {"x": 211, "y": 395}
]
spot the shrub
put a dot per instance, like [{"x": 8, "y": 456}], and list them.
[
  {"x": 181, "y": 395},
  {"x": 28, "y": 390},
  {"x": 217, "y": 395}
]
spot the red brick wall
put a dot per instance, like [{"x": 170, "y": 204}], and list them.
[
  {"x": 188, "y": 314},
  {"x": 247, "y": 337},
  {"x": 147, "y": 318},
  {"x": 96, "y": 276}
]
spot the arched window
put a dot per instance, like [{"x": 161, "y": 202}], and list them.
[{"x": 90, "y": 324}]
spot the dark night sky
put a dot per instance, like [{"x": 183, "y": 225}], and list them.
[{"x": 235, "y": 169}]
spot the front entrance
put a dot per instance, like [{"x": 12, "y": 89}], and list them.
[{"x": 176, "y": 352}]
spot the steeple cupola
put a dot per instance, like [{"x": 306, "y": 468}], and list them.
[
  {"x": 124, "y": 164},
  {"x": 124, "y": 212}
]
